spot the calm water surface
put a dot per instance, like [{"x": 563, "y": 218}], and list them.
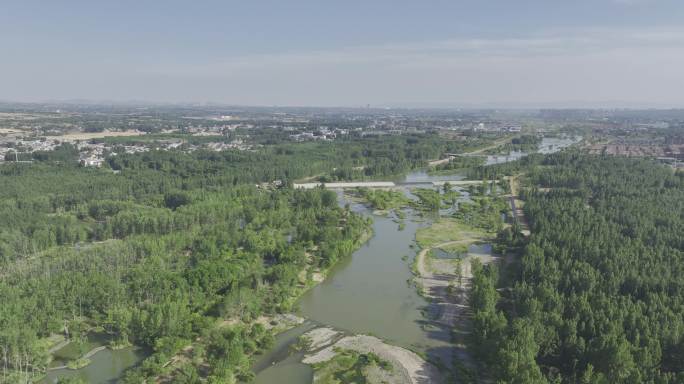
[{"x": 107, "y": 366}]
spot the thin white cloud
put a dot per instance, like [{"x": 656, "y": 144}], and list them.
[
  {"x": 555, "y": 43},
  {"x": 634, "y": 66}
]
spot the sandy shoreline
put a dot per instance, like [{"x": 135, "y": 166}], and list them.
[{"x": 408, "y": 367}]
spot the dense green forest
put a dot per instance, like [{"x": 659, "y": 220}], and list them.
[
  {"x": 155, "y": 255},
  {"x": 160, "y": 248},
  {"x": 597, "y": 294}
]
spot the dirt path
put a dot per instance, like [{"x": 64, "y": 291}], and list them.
[
  {"x": 59, "y": 346},
  {"x": 517, "y": 204},
  {"x": 495, "y": 144},
  {"x": 435, "y": 277},
  {"x": 448, "y": 283},
  {"x": 88, "y": 355}
]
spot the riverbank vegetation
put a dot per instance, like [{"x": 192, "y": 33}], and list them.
[
  {"x": 597, "y": 294},
  {"x": 428, "y": 199},
  {"x": 383, "y": 200},
  {"x": 485, "y": 212}
]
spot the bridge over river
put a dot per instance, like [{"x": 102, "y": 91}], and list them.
[{"x": 387, "y": 184}]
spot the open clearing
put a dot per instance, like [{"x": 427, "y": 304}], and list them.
[
  {"x": 446, "y": 230},
  {"x": 97, "y": 135},
  {"x": 10, "y": 130}
]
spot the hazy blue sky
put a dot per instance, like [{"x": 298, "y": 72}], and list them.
[{"x": 346, "y": 53}]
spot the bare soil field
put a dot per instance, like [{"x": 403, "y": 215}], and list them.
[
  {"x": 96, "y": 135},
  {"x": 10, "y": 130}
]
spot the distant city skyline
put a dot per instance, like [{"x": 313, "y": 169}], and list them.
[{"x": 497, "y": 53}]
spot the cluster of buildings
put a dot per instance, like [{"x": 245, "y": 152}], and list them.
[
  {"x": 323, "y": 133},
  {"x": 497, "y": 127},
  {"x": 8, "y": 146},
  {"x": 238, "y": 144},
  {"x": 93, "y": 153},
  {"x": 213, "y": 130}
]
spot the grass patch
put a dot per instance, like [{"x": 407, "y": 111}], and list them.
[
  {"x": 445, "y": 230},
  {"x": 456, "y": 249},
  {"x": 349, "y": 367}
]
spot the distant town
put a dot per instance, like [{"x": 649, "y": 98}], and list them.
[{"x": 96, "y": 131}]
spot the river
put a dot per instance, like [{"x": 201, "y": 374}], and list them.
[{"x": 368, "y": 293}]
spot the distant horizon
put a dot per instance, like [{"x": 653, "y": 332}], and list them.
[{"x": 389, "y": 106}]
